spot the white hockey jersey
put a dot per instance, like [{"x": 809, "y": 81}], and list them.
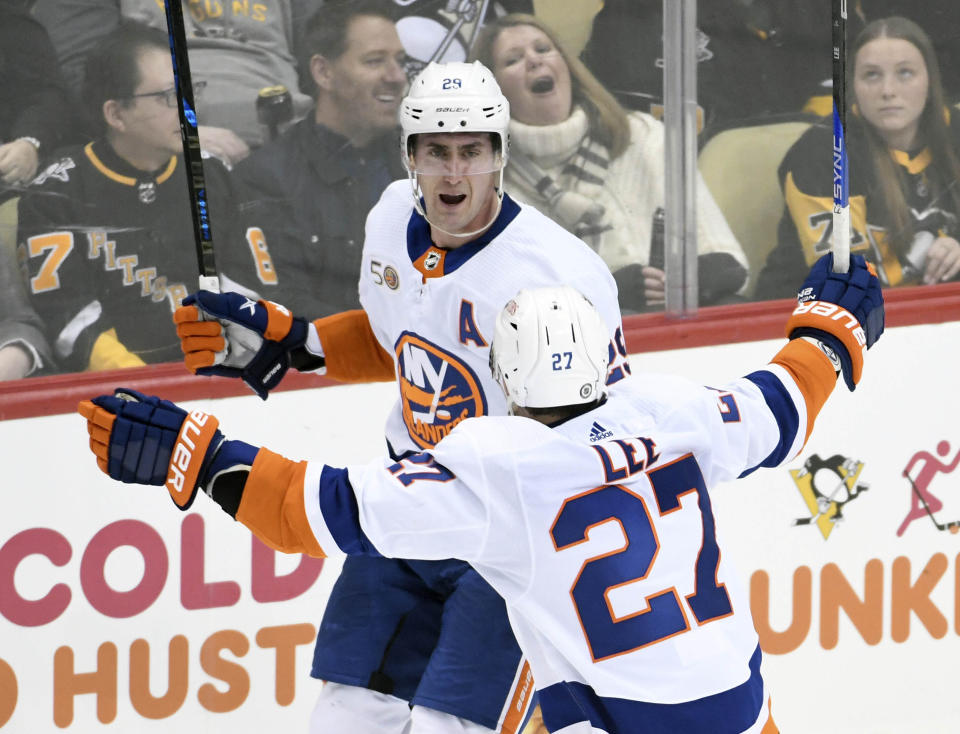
[
  {"x": 597, "y": 532},
  {"x": 434, "y": 309}
]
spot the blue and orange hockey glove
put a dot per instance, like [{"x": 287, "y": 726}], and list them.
[
  {"x": 842, "y": 310},
  {"x": 141, "y": 439},
  {"x": 231, "y": 335}
]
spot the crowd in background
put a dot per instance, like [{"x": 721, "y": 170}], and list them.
[{"x": 298, "y": 101}]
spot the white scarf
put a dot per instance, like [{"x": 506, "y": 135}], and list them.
[{"x": 567, "y": 169}]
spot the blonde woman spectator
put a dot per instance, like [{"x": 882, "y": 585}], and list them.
[
  {"x": 904, "y": 155},
  {"x": 594, "y": 168}
]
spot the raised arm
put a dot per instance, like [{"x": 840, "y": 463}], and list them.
[{"x": 766, "y": 417}]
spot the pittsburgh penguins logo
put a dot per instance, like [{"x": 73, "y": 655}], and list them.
[
  {"x": 826, "y": 486},
  {"x": 437, "y": 390}
]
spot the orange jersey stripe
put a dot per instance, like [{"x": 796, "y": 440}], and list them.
[
  {"x": 272, "y": 505},
  {"x": 351, "y": 351},
  {"x": 769, "y": 727},
  {"x": 519, "y": 702},
  {"x": 811, "y": 370}
]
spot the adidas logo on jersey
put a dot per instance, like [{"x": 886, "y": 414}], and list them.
[{"x": 598, "y": 433}]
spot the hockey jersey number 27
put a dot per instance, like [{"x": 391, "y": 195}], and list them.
[{"x": 599, "y": 534}]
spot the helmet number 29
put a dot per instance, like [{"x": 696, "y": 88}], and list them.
[{"x": 452, "y": 84}]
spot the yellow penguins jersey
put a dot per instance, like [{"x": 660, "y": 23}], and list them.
[
  {"x": 598, "y": 533},
  {"x": 806, "y": 229},
  {"x": 434, "y": 309},
  {"x": 109, "y": 254}
]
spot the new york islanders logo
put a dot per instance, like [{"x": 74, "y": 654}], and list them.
[{"x": 437, "y": 390}]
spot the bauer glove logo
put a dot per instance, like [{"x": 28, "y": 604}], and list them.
[
  {"x": 180, "y": 463},
  {"x": 834, "y": 313}
]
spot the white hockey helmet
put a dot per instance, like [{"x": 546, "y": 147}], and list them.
[
  {"x": 451, "y": 98},
  {"x": 550, "y": 349}
]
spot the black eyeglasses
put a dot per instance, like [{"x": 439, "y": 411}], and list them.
[{"x": 169, "y": 96}]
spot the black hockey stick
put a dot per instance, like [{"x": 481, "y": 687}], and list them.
[
  {"x": 841, "y": 170},
  {"x": 196, "y": 182},
  {"x": 953, "y": 527}
]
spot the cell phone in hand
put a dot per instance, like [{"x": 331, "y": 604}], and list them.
[{"x": 657, "y": 238}]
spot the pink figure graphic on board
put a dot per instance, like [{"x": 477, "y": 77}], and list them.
[{"x": 922, "y": 502}]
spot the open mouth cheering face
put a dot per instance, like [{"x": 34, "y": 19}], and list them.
[
  {"x": 457, "y": 173},
  {"x": 543, "y": 85},
  {"x": 533, "y": 75}
]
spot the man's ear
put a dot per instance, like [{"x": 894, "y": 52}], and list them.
[
  {"x": 321, "y": 71},
  {"x": 112, "y": 110}
]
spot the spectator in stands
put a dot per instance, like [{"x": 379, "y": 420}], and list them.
[
  {"x": 312, "y": 188},
  {"x": 105, "y": 232},
  {"x": 755, "y": 58},
  {"x": 904, "y": 153},
  {"x": 32, "y": 122},
  {"x": 23, "y": 345},
  {"x": 579, "y": 157},
  {"x": 32, "y": 98},
  {"x": 940, "y": 19},
  {"x": 237, "y": 48}
]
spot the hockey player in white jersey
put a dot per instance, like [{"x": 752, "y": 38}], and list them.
[
  {"x": 444, "y": 250},
  {"x": 589, "y": 513}
]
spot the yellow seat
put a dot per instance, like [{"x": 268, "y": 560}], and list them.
[{"x": 739, "y": 166}]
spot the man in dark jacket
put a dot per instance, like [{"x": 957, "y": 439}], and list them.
[{"x": 315, "y": 184}]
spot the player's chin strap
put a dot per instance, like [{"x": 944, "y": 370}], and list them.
[{"x": 418, "y": 205}]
